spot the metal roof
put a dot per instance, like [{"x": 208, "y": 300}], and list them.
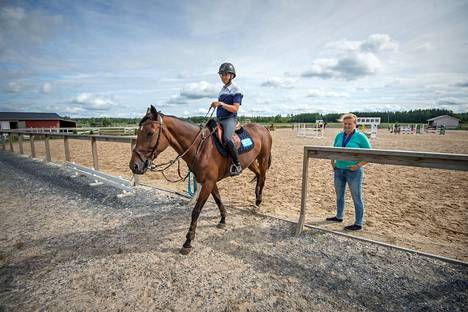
[
  {"x": 438, "y": 117},
  {"x": 29, "y": 116}
]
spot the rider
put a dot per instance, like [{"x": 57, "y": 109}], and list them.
[{"x": 229, "y": 101}]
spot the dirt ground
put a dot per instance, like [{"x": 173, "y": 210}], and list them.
[
  {"x": 424, "y": 209},
  {"x": 69, "y": 246}
]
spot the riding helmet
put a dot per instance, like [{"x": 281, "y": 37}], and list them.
[{"x": 227, "y": 68}]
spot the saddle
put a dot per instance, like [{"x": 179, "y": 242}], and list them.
[
  {"x": 241, "y": 138},
  {"x": 235, "y": 136}
]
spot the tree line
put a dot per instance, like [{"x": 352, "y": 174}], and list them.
[{"x": 411, "y": 116}]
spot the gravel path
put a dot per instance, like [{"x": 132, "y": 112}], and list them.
[{"x": 67, "y": 246}]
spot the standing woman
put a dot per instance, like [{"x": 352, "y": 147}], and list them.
[
  {"x": 349, "y": 172},
  {"x": 227, "y": 105}
]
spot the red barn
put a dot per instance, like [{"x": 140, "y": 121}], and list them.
[{"x": 18, "y": 120}]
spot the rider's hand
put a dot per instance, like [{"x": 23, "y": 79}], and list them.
[
  {"x": 354, "y": 168},
  {"x": 216, "y": 104}
]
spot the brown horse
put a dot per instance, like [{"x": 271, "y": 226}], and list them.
[{"x": 158, "y": 131}]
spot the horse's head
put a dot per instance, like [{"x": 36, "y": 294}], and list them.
[{"x": 150, "y": 141}]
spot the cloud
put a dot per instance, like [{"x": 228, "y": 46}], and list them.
[
  {"x": 278, "y": 82},
  {"x": 46, "y": 88},
  {"x": 13, "y": 87},
  {"x": 355, "y": 59},
  {"x": 194, "y": 91},
  {"x": 462, "y": 84},
  {"x": 89, "y": 101},
  {"x": 322, "y": 93},
  {"x": 451, "y": 101},
  {"x": 199, "y": 90},
  {"x": 22, "y": 28},
  {"x": 378, "y": 42}
]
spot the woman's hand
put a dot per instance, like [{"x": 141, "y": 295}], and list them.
[
  {"x": 354, "y": 168},
  {"x": 216, "y": 104}
]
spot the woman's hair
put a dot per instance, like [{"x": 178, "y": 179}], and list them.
[{"x": 349, "y": 116}]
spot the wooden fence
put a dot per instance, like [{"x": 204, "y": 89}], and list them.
[{"x": 389, "y": 157}]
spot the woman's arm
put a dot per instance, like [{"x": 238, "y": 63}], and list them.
[{"x": 230, "y": 108}]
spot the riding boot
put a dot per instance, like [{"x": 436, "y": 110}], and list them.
[{"x": 235, "y": 168}]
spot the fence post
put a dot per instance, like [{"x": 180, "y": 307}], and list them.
[
  {"x": 305, "y": 178},
  {"x": 47, "y": 148},
  {"x": 3, "y": 141},
  {"x": 20, "y": 143},
  {"x": 136, "y": 178},
  {"x": 66, "y": 148},
  {"x": 10, "y": 139},
  {"x": 95, "y": 154},
  {"x": 33, "y": 148}
]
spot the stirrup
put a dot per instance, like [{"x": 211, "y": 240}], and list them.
[{"x": 235, "y": 170}]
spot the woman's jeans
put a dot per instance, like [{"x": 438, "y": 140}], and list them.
[{"x": 354, "y": 180}]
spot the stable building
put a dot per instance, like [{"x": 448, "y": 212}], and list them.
[
  {"x": 21, "y": 120},
  {"x": 449, "y": 122}
]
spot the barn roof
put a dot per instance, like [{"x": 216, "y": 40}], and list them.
[
  {"x": 443, "y": 116},
  {"x": 29, "y": 116}
]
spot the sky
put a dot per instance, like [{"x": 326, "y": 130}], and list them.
[{"x": 115, "y": 58}]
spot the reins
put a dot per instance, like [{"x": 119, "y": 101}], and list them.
[{"x": 164, "y": 166}]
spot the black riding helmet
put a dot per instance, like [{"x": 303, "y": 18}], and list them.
[{"x": 227, "y": 68}]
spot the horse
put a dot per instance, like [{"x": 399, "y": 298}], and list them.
[{"x": 195, "y": 146}]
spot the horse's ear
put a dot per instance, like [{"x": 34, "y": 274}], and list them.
[{"x": 153, "y": 111}]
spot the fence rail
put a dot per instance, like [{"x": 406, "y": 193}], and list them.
[
  {"x": 11, "y": 135},
  {"x": 388, "y": 157}
]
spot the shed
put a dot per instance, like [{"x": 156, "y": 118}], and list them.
[
  {"x": 449, "y": 122},
  {"x": 18, "y": 120}
]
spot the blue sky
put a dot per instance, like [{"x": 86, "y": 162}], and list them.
[{"x": 106, "y": 58}]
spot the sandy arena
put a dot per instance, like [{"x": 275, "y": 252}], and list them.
[
  {"x": 424, "y": 209},
  {"x": 69, "y": 246}
]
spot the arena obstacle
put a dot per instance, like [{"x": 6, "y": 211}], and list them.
[
  {"x": 310, "y": 132},
  {"x": 374, "y": 122}
]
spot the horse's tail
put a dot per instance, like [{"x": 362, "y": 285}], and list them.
[{"x": 269, "y": 160}]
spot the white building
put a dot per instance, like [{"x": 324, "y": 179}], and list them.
[{"x": 445, "y": 120}]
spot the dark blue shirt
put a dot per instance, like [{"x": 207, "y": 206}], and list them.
[{"x": 229, "y": 95}]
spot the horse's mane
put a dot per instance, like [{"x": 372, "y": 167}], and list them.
[{"x": 149, "y": 116}]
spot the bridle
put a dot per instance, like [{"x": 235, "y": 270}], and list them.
[{"x": 148, "y": 163}]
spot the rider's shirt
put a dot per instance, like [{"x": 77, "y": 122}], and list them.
[{"x": 229, "y": 94}]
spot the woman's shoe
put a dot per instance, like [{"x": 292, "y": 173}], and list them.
[
  {"x": 334, "y": 219},
  {"x": 353, "y": 227}
]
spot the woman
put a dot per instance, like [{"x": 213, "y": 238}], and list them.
[
  {"x": 228, "y": 104},
  {"x": 350, "y": 172}
]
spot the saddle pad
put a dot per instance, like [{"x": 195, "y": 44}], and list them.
[{"x": 247, "y": 143}]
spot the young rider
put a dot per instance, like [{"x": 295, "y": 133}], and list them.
[{"x": 229, "y": 101}]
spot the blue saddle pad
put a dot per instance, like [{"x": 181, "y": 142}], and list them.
[{"x": 247, "y": 143}]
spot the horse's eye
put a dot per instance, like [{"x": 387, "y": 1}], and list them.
[{"x": 150, "y": 133}]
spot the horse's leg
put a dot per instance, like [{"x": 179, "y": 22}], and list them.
[
  {"x": 204, "y": 193},
  {"x": 263, "y": 167},
  {"x": 254, "y": 168},
  {"x": 222, "y": 210}
]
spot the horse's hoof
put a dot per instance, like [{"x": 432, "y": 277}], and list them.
[
  {"x": 185, "y": 251},
  {"x": 221, "y": 225}
]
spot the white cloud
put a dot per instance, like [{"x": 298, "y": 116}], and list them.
[
  {"x": 199, "y": 90},
  {"x": 194, "y": 91},
  {"x": 13, "y": 87},
  {"x": 322, "y": 93},
  {"x": 94, "y": 102},
  {"x": 355, "y": 59},
  {"x": 378, "y": 42},
  {"x": 46, "y": 88},
  {"x": 463, "y": 84},
  {"x": 278, "y": 82},
  {"x": 22, "y": 28}
]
